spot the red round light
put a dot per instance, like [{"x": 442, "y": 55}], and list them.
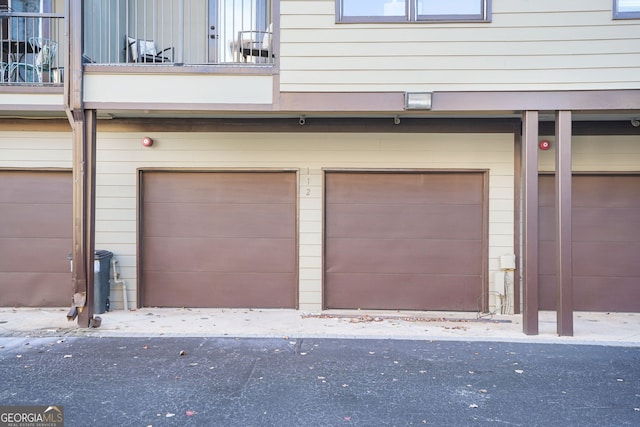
[{"x": 544, "y": 145}]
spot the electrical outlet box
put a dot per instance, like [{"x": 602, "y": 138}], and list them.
[{"x": 508, "y": 262}]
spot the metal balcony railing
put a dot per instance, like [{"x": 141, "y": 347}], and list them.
[
  {"x": 178, "y": 32},
  {"x": 33, "y": 48}
]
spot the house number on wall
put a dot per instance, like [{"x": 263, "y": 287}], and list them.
[{"x": 307, "y": 192}]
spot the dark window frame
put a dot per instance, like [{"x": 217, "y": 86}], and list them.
[
  {"x": 412, "y": 16},
  {"x": 624, "y": 15}
]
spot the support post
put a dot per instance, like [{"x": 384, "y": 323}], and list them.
[
  {"x": 530, "y": 222},
  {"x": 564, "y": 267},
  {"x": 84, "y": 175},
  {"x": 83, "y": 125}
]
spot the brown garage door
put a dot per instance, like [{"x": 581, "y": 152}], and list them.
[
  {"x": 606, "y": 243},
  {"x": 35, "y": 238},
  {"x": 218, "y": 239},
  {"x": 405, "y": 240}
]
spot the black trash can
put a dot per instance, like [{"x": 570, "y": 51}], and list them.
[{"x": 101, "y": 288}]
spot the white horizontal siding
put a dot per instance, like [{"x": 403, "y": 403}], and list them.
[
  {"x": 35, "y": 150},
  {"x": 529, "y": 45}
]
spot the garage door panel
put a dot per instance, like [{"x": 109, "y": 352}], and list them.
[
  {"x": 35, "y": 255},
  {"x": 600, "y": 294},
  {"x": 219, "y": 239},
  {"x": 546, "y": 258},
  {"x": 219, "y": 290},
  {"x": 35, "y": 187},
  {"x": 183, "y": 254},
  {"x": 27, "y": 220},
  {"x": 220, "y": 220},
  {"x": 411, "y": 292},
  {"x": 546, "y": 224},
  {"x": 398, "y": 221},
  {"x": 219, "y": 187},
  {"x": 606, "y": 259},
  {"x": 546, "y": 192},
  {"x": 596, "y": 224},
  {"x": 614, "y": 191},
  {"x": 607, "y": 224},
  {"x": 547, "y": 291},
  {"x": 594, "y": 293},
  {"x": 403, "y": 256},
  {"x": 404, "y": 188},
  {"x": 32, "y": 289}
]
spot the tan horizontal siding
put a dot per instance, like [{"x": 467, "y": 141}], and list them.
[
  {"x": 447, "y": 50},
  {"x": 529, "y": 45},
  {"x": 488, "y": 62},
  {"x": 532, "y": 6},
  {"x": 597, "y": 153}
]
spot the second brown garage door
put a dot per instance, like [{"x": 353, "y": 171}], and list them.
[
  {"x": 606, "y": 243},
  {"x": 412, "y": 241},
  {"x": 218, "y": 239}
]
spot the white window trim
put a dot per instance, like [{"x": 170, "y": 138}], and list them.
[
  {"x": 412, "y": 16},
  {"x": 624, "y": 15}
]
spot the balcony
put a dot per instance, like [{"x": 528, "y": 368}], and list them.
[
  {"x": 33, "y": 48},
  {"x": 179, "y": 32}
]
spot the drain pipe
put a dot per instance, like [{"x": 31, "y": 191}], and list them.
[{"x": 117, "y": 280}]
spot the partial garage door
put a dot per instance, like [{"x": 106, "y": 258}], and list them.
[
  {"x": 218, "y": 239},
  {"x": 606, "y": 243},
  {"x": 411, "y": 241},
  {"x": 35, "y": 238}
]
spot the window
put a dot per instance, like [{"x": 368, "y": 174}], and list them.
[
  {"x": 626, "y": 9},
  {"x": 413, "y": 10}
]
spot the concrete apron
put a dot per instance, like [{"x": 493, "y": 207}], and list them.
[{"x": 621, "y": 329}]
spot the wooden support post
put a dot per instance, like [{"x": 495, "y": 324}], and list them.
[
  {"x": 83, "y": 125},
  {"x": 84, "y": 175},
  {"x": 564, "y": 268},
  {"x": 530, "y": 222}
]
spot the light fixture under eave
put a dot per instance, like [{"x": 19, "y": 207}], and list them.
[{"x": 417, "y": 100}]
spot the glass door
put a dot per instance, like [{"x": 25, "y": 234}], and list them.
[{"x": 234, "y": 23}]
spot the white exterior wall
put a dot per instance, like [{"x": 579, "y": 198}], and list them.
[
  {"x": 529, "y": 45},
  {"x": 171, "y": 88}
]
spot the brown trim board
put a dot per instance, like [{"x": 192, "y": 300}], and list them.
[{"x": 509, "y": 101}]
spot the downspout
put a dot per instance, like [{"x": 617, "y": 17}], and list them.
[{"x": 67, "y": 66}]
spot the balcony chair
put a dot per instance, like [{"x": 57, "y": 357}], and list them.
[
  {"x": 41, "y": 68},
  {"x": 255, "y": 44},
  {"x": 145, "y": 51},
  {"x": 4, "y": 72}
]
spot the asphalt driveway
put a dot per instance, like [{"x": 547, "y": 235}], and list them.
[{"x": 321, "y": 382}]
